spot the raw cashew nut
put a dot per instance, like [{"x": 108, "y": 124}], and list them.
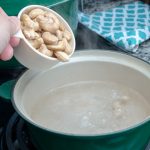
[
  {"x": 36, "y": 26},
  {"x": 67, "y": 35},
  {"x": 50, "y": 15},
  {"x": 62, "y": 27},
  {"x": 49, "y": 22},
  {"x": 30, "y": 34},
  {"x": 59, "y": 34},
  {"x": 37, "y": 43},
  {"x": 59, "y": 47},
  {"x": 49, "y": 38},
  {"x": 29, "y": 23},
  {"x": 36, "y": 12},
  {"x": 62, "y": 56},
  {"x": 48, "y": 26},
  {"x": 43, "y": 49},
  {"x": 67, "y": 47},
  {"x": 41, "y": 18}
]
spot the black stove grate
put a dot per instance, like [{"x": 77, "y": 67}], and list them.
[{"x": 14, "y": 135}]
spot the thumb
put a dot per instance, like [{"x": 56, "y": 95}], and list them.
[{"x": 14, "y": 25}]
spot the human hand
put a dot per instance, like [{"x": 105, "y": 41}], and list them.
[{"x": 9, "y": 25}]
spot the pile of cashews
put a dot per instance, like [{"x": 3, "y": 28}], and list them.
[{"x": 46, "y": 33}]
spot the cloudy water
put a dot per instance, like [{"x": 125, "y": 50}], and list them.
[{"x": 91, "y": 107}]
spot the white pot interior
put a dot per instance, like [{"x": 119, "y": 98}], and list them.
[{"x": 84, "y": 66}]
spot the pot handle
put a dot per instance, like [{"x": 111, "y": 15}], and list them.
[{"x": 6, "y": 90}]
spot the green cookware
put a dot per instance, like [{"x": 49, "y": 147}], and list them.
[
  {"x": 85, "y": 66},
  {"x": 66, "y": 8}
]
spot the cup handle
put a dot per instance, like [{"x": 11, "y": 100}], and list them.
[
  {"x": 18, "y": 34},
  {"x": 6, "y": 89}
]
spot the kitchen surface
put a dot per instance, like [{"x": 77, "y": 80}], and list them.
[{"x": 13, "y": 129}]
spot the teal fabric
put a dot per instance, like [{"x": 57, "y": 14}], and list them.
[{"x": 125, "y": 26}]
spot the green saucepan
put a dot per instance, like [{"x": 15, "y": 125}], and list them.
[{"x": 84, "y": 66}]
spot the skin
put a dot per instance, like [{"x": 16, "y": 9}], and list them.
[{"x": 8, "y": 27}]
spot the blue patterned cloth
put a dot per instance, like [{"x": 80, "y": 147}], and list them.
[{"x": 125, "y": 26}]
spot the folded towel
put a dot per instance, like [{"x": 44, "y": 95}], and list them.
[{"x": 125, "y": 26}]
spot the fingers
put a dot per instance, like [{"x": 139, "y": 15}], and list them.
[
  {"x": 14, "y": 25},
  {"x": 9, "y": 26},
  {"x": 7, "y": 53},
  {"x": 4, "y": 30},
  {"x": 14, "y": 41}
]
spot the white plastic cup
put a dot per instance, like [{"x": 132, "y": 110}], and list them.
[{"x": 28, "y": 55}]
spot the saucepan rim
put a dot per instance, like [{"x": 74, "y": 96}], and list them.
[{"x": 84, "y": 136}]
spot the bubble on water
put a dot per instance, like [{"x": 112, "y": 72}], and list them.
[
  {"x": 89, "y": 113},
  {"x": 103, "y": 121},
  {"x": 125, "y": 97},
  {"x": 114, "y": 94},
  {"x": 85, "y": 122}
]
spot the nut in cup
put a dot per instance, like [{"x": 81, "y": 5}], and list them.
[{"x": 42, "y": 48}]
